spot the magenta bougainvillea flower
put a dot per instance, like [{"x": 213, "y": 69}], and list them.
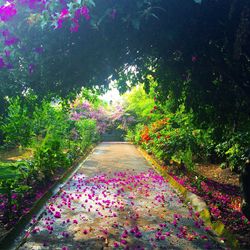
[
  {"x": 85, "y": 12},
  {"x": 194, "y": 59},
  {"x": 10, "y": 9},
  {"x": 2, "y": 63},
  {"x": 57, "y": 214},
  {"x": 75, "y": 25},
  {"x": 6, "y": 33},
  {"x": 11, "y": 41},
  {"x": 7, "y": 11},
  {"x": 39, "y": 50},
  {"x": 7, "y": 53},
  {"x": 64, "y": 13},
  {"x": 116, "y": 245},
  {"x": 9, "y": 66}
]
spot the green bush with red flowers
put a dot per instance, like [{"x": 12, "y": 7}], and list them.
[
  {"x": 171, "y": 131},
  {"x": 171, "y": 138},
  {"x": 167, "y": 135}
]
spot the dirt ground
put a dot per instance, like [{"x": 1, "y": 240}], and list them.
[{"x": 216, "y": 173}]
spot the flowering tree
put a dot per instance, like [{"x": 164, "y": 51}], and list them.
[
  {"x": 46, "y": 44},
  {"x": 109, "y": 117},
  {"x": 83, "y": 109},
  {"x": 32, "y": 12},
  {"x": 120, "y": 118}
]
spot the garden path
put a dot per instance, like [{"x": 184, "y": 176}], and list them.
[{"x": 116, "y": 200}]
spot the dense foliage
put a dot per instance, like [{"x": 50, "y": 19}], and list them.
[
  {"x": 55, "y": 138},
  {"x": 175, "y": 135}
]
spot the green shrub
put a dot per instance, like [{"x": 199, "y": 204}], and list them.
[
  {"x": 51, "y": 117},
  {"x": 49, "y": 156},
  {"x": 134, "y": 133},
  {"x": 87, "y": 131},
  {"x": 12, "y": 181},
  {"x": 233, "y": 149},
  {"x": 16, "y": 126}
]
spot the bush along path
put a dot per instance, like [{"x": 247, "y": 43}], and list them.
[{"x": 116, "y": 201}]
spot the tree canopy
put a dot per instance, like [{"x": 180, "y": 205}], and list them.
[{"x": 198, "y": 51}]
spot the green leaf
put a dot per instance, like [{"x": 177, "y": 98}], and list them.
[
  {"x": 8, "y": 173},
  {"x": 22, "y": 188},
  {"x": 3, "y": 190},
  {"x": 91, "y": 3}
]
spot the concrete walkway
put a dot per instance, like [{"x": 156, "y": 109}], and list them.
[{"x": 116, "y": 201}]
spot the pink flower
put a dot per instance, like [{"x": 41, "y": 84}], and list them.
[
  {"x": 75, "y": 26},
  {"x": 162, "y": 237},
  {"x": 167, "y": 233},
  {"x": 105, "y": 231},
  {"x": 64, "y": 13},
  {"x": 116, "y": 245},
  {"x": 57, "y": 214},
  {"x": 7, "y": 11},
  {"x": 124, "y": 235},
  {"x": 33, "y": 4},
  {"x": 124, "y": 242},
  {"x": 39, "y": 50},
  {"x": 65, "y": 234},
  {"x": 2, "y": 63},
  {"x": 175, "y": 222},
  {"x": 203, "y": 237},
  {"x": 7, "y": 53},
  {"x": 11, "y": 41},
  {"x": 85, "y": 12},
  {"x": 194, "y": 59},
  {"x": 59, "y": 23},
  {"x": 5, "y": 33},
  {"x": 138, "y": 234}
]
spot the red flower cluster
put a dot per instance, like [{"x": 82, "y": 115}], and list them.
[
  {"x": 158, "y": 125},
  {"x": 145, "y": 135}
]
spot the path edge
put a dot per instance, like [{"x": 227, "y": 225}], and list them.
[
  {"x": 15, "y": 232},
  {"x": 199, "y": 205}
]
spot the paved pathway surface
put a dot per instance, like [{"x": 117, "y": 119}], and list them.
[{"x": 116, "y": 201}]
